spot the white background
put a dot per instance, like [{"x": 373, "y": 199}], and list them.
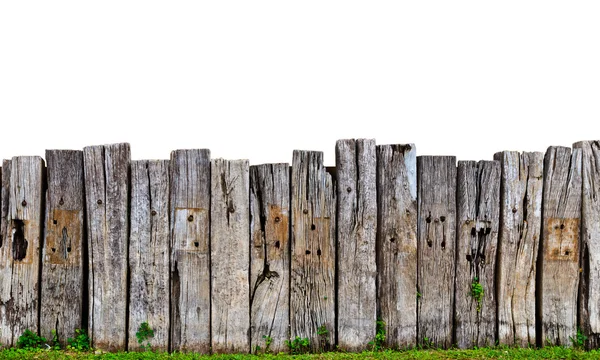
[{"x": 257, "y": 79}]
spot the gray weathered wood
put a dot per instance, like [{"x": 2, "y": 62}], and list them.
[
  {"x": 106, "y": 170},
  {"x": 312, "y": 290},
  {"x": 560, "y": 245},
  {"x": 62, "y": 253},
  {"x": 356, "y": 163},
  {"x": 190, "y": 251},
  {"x": 436, "y": 248},
  {"x": 230, "y": 256},
  {"x": 518, "y": 243},
  {"x": 20, "y": 251},
  {"x": 477, "y": 217},
  {"x": 149, "y": 252},
  {"x": 397, "y": 243},
  {"x": 270, "y": 255}
]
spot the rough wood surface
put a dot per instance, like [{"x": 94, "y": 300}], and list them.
[
  {"x": 270, "y": 256},
  {"x": 312, "y": 297},
  {"x": 518, "y": 243},
  {"x": 589, "y": 296},
  {"x": 477, "y": 217},
  {"x": 560, "y": 245},
  {"x": 106, "y": 169},
  {"x": 149, "y": 252},
  {"x": 356, "y": 164},
  {"x": 436, "y": 248},
  {"x": 230, "y": 256},
  {"x": 20, "y": 250},
  {"x": 397, "y": 242},
  {"x": 63, "y": 250},
  {"x": 190, "y": 251}
]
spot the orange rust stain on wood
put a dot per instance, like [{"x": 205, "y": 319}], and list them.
[{"x": 562, "y": 240}]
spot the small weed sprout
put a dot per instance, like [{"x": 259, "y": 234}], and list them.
[
  {"x": 143, "y": 335},
  {"x": 477, "y": 292},
  {"x": 377, "y": 343},
  {"x": 579, "y": 339},
  {"x": 298, "y": 345},
  {"x": 30, "y": 340},
  {"x": 323, "y": 334},
  {"x": 81, "y": 341}
]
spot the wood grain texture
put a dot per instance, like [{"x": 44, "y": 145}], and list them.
[
  {"x": 356, "y": 163},
  {"x": 312, "y": 291},
  {"x": 230, "y": 256},
  {"x": 477, "y": 217},
  {"x": 106, "y": 171},
  {"x": 62, "y": 253},
  {"x": 560, "y": 245},
  {"x": 20, "y": 251},
  {"x": 270, "y": 255},
  {"x": 436, "y": 248},
  {"x": 190, "y": 251},
  {"x": 149, "y": 253},
  {"x": 397, "y": 243},
  {"x": 518, "y": 243}
]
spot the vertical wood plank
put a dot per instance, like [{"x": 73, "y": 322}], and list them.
[
  {"x": 149, "y": 252},
  {"x": 62, "y": 253},
  {"x": 20, "y": 252},
  {"x": 312, "y": 297},
  {"x": 397, "y": 243},
  {"x": 270, "y": 255},
  {"x": 190, "y": 251},
  {"x": 106, "y": 170},
  {"x": 560, "y": 245},
  {"x": 356, "y": 163},
  {"x": 230, "y": 256},
  {"x": 436, "y": 248},
  {"x": 477, "y": 216}
]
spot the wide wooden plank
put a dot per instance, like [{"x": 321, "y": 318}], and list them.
[
  {"x": 190, "y": 251},
  {"x": 270, "y": 256},
  {"x": 436, "y": 248},
  {"x": 312, "y": 297},
  {"x": 149, "y": 253},
  {"x": 230, "y": 256},
  {"x": 20, "y": 251},
  {"x": 106, "y": 171},
  {"x": 356, "y": 163},
  {"x": 478, "y": 217},
  {"x": 518, "y": 243},
  {"x": 63, "y": 250},
  {"x": 560, "y": 245},
  {"x": 397, "y": 243}
]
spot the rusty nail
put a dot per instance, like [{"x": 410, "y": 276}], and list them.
[
  {"x": 468, "y": 222},
  {"x": 99, "y": 202},
  {"x": 153, "y": 212},
  {"x": 349, "y": 189},
  {"x": 277, "y": 219},
  {"x": 24, "y": 203},
  {"x": 191, "y": 218},
  {"x": 436, "y": 220},
  {"x": 231, "y": 209},
  {"x": 305, "y": 211},
  {"x": 514, "y": 210}
]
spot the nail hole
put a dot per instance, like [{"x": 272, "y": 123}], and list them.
[
  {"x": 443, "y": 245},
  {"x": 392, "y": 239},
  {"x": 567, "y": 253},
  {"x": 469, "y": 258},
  {"x": 277, "y": 244},
  {"x": 69, "y": 249},
  {"x": 191, "y": 218},
  {"x": 482, "y": 257},
  {"x": 442, "y": 218},
  {"x": 196, "y": 244},
  {"x": 429, "y": 243},
  {"x": 312, "y": 227},
  {"x": 61, "y": 201},
  {"x": 488, "y": 231},
  {"x": 307, "y": 252},
  {"x": 54, "y": 222},
  {"x": 53, "y": 250},
  {"x": 473, "y": 231},
  {"x": 428, "y": 219},
  {"x": 305, "y": 211},
  {"x": 562, "y": 226},
  {"x": 319, "y": 252}
]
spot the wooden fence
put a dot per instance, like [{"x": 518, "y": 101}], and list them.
[{"x": 219, "y": 256}]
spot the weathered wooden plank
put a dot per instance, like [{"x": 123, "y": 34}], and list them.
[
  {"x": 436, "y": 248},
  {"x": 270, "y": 256},
  {"x": 397, "y": 243},
  {"x": 149, "y": 253},
  {"x": 63, "y": 249},
  {"x": 356, "y": 163},
  {"x": 589, "y": 295},
  {"x": 106, "y": 171},
  {"x": 230, "y": 256},
  {"x": 20, "y": 251},
  {"x": 518, "y": 241},
  {"x": 190, "y": 251},
  {"x": 477, "y": 217},
  {"x": 312, "y": 297},
  {"x": 560, "y": 245}
]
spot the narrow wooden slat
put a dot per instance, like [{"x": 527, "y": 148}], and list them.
[
  {"x": 436, "y": 248},
  {"x": 62, "y": 253},
  {"x": 106, "y": 170},
  {"x": 230, "y": 256},
  {"x": 560, "y": 245},
  {"x": 356, "y": 163},
  {"x": 397, "y": 243},
  {"x": 20, "y": 251},
  {"x": 312, "y": 291},
  {"x": 270, "y": 256},
  {"x": 478, "y": 217},
  {"x": 190, "y": 251},
  {"x": 149, "y": 252}
]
